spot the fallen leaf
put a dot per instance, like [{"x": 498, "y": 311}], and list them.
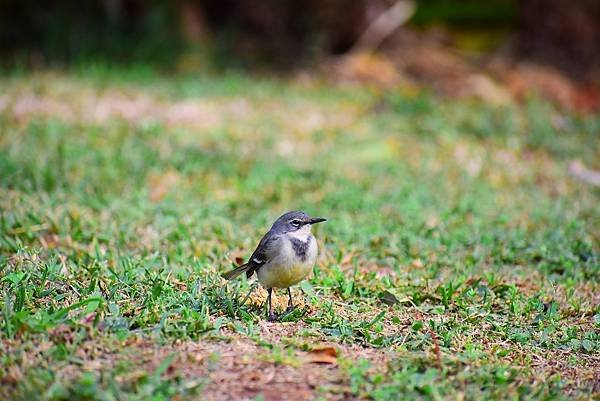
[
  {"x": 347, "y": 259},
  {"x": 388, "y": 298},
  {"x": 326, "y": 355},
  {"x": 546, "y": 81},
  {"x": 160, "y": 184},
  {"x": 180, "y": 285},
  {"x": 417, "y": 263},
  {"x": 88, "y": 319},
  {"x": 368, "y": 67}
]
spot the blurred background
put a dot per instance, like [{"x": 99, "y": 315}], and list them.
[{"x": 496, "y": 51}]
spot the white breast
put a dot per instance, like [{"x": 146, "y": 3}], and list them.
[{"x": 301, "y": 234}]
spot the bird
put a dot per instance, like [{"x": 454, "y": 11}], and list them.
[{"x": 284, "y": 256}]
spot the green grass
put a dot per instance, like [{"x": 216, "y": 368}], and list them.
[{"x": 458, "y": 248}]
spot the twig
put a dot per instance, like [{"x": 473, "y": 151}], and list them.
[
  {"x": 436, "y": 348},
  {"x": 384, "y": 25}
]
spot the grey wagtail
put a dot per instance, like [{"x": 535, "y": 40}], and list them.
[{"x": 284, "y": 257}]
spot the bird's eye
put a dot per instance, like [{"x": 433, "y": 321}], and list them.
[{"x": 295, "y": 222}]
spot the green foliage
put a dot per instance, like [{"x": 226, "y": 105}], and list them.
[
  {"x": 467, "y": 13},
  {"x": 64, "y": 32}
]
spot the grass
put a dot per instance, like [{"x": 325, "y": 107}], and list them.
[{"x": 460, "y": 260}]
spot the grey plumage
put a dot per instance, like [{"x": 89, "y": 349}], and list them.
[
  {"x": 301, "y": 247},
  {"x": 285, "y": 254}
]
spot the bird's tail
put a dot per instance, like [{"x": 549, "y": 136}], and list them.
[{"x": 230, "y": 275}]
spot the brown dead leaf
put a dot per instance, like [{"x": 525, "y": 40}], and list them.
[
  {"x": 587, "y": 99},
  {"x": 417, "y": 263},
  {"x": 88, "y": 319},
  {"x": 14, "y": 375},
  {"x": 238, "y": 256},
  {"x": 325, "y": 355},
  {"x": 482, "y": 87},
  {"x": 546, "y": 81},
  {"x": 160, "y": 185},
  {"x": 370, "y": 68},
  {"x": 49, "y": 240},
  {"x": 62, "y": 334},
  {"x": 347, "y": 259},
  {"x": 180, "y": 285}
]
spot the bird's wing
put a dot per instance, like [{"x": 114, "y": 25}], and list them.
[{"x": 262, "y": 253}]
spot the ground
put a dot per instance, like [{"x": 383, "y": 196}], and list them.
[{"x": 460, "y": 259}]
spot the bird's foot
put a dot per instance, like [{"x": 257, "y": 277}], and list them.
[
  {"x": 287, "y": 312},
  {"x": 272, "y": 317}
]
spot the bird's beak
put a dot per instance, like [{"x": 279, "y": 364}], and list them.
[{"x": 315, "y": 220}]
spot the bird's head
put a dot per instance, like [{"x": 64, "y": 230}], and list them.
[{"x": 295, "y": 221}]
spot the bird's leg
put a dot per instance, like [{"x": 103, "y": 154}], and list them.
[
  {"x": 290, "y": 306},
  {"x": 271, "y": 317}
]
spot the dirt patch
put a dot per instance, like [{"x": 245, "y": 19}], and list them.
[
  {"x": 281, "y": 361},
  {"x": 237, "y": 368}
]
